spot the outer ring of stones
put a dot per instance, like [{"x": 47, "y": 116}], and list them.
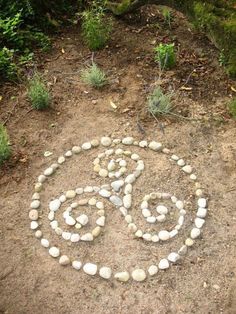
[{"x": 106, "y": 272}]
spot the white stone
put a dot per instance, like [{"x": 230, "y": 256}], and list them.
[
  {"x": 70, "y": 221},
  {"x": 117, "y": 141},
  {"x": 122, "y": 276},
  {"x": 104, "y": 193},
  {"x": 106, "y": 141},
  {"x": 151, "y": 219},
  {"x": 164, "y": 235},
  {"x": 174, "y": 157},
  {"x": 138, "y": 275},
  {"x": 54, "y": 224},
  {"x": 51, "y": 216},
  {"x": 193, "y": 177},
  {"x": 96, "y": 231},
  {"x": 58, "y": 231},
  {"x": 123, "y": 163},
  {"x": 174, "y": 199},
  {"x": 38, "y": 187},
  {"x": 64, "y": 260},
  {"x": 155, "y": 146},
  {"x": 68, "y": 153},
  {"x": 41, "y": 178},
  {"x": 202, "y": 212},
  {"x": 155, "y": 238},
  {"x": 173, "y": 257},
  {"x": 123, "y": 211},
  {"x": 179, "y": 205},
  {"x": 54, "y": 205},
  {"x": 132, "y": 227},
  {"x": 90, "y": 269},
  {"x": 33, "y": 214},
  {"x": 54, "y": 251},
  {"x": 36, "y": 196},
  {"x": 62, "y": 198},
  {"x": 119, "y": 151},
  {"x": 147, "y": 237},
  {"x": 144, "y": 205},
  {"x": 173, "y": 233},
  {"x": 88, "y": 189},
  {"x": 181, "y": 162},
  {"x": 35, "y": 204},
  {"x": 127, "y": 200},
  {"x": 86, "y": 146},
  {"x": 130, "y": 178},
  {"x": 99, "y": 205},
  {"x": 202, "y": 202},
  {"x": 188, "y": 169},
  {"x": 70, "y": 194},
  {"x": 162, "y": 210},
  {"x": 105, "y": 272},
  {"x": 166, "y": 151},
  {"x": 109, "y": 152},
  {"x": 103, "y": 173},
  {"x": 75, "y": 237},
  {"x": 140, "y": 166},
  {"x": 146, "y": 213},
  {"x": 34, "y": 225},
  {"x": 128, "y": 219},
  {"x": 195, "y": 233},
  {"x": 199, "y": 222},
  {"x": 38, "y": 234},
  {"x": 143, "y": 144},
  {"x": 76, "y": 149},
  {"x": 111, "y": 166},
  {"x": 161, "y": 218},
  {"x": 49, "y": 171},
  {"x": 116, "y": 200},
  {"x": 128, "y": 188},
  {"x": 66, "y": 235},
  {"x": 189, "y": 242},
  {"x": 61, "y": 160},
  {"x": 116, "y": 185},
  {"x": 44, "y": 243},
  {"x": 181, "y": 220},
  {"x": 139, "y": 233},
  {"x": 128, "y": 140},
  {"x": 101, "y": 221},
  {"x": 76, "y": 265},
  {"x": 82, "y": 219},
  {"x": 183, "y": 250},
  {"x": 199, "y": 192},
  {"x": 152, "y": 270},
  {"x": 79, "y": 191},
  {"x": 135, "y": 157},
  {"x": 87, "y": 237},
  {"x": 163, "y": 264}
]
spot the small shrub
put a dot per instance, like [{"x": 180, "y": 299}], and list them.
[
  {"x": 94, "y": 76},
  {"x": 8, "y": 69},
  {"x": 38, "y": 93},
  {"x": 5, "y": 150},
  {"x": 167, "y": 16},
  {"x": 232, "y": 108},
  {"x": 165, "y": 56},
  {"x": 159, "y": 103},
  {"x": 95, "y": 28}
]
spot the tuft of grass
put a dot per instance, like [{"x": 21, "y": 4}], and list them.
[
  {"x": 94, "y": 76},
  {"x": 167, "y": 16},
  {"x": 96, "y": 28},
  {"x": 38, "y": 93},
  {"x": 165, "y": 56},
  {"x": 232, "y": 108},
  {"x": 5, "y": 150},
  {"x": 159, "y": 103}
]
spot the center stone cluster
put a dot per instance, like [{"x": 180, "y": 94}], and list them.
[{"x": 119, "y": 193}]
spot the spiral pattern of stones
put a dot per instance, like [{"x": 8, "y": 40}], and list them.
[{"x": 116, "y": 169}]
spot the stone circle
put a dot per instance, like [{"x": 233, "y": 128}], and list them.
[{"x": 120, "y": 194}]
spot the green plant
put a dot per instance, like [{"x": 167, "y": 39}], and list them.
[
  {"x": 222, "y": 58},
  {"x": 8, "y": 69},
  {"x": 96, "y": 29},
  {"x": 94, "y": 76},
  {"x": 38, "y": 93},
  {"x": 232, "y": 108},
  {"x": 165, "y": 56},
  {"x": 5, "y": 150},
  {"x": 167, "y": 16},
  {"x": 159, "y": 103}
]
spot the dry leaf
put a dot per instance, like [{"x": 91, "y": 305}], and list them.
[
  {"x": 114, "y": 106},
  {"x": 62, "y": 50},
  {"x": 233, "y": 89},
  {"x": 125, "y": 110},
  {"x": 0, "y": 98}
]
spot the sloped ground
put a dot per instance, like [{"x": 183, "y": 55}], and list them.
[{"x": 204, "y": 282}]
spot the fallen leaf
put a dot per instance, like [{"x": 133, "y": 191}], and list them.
[
  {"x": 0, "y": 98},
  {"x": 62, "y": 50},
  {"x": 113, "y": 105},
  {"x": 47, "y": 154},
  {"x": 125, "y": 110},
  {"x": 233, "y": 89}
]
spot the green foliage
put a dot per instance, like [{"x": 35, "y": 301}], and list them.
[
  {"x": 165, "y": 56},
  {"x": 232, "y": 108},
  {"x": 8, "y": 68},
  {"x": 222, "y": 58},
  {"x": 159, "y": 103},
  {"x": 38, "y": 93},
  {"x": 96, "y": 28},
  {"x": 5, "y": 150},
  {"x": 94, "y": 76},
  {"x": 167, "y": 16}
]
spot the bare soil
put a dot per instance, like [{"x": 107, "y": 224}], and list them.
[{"x": 204, "y": 135}]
